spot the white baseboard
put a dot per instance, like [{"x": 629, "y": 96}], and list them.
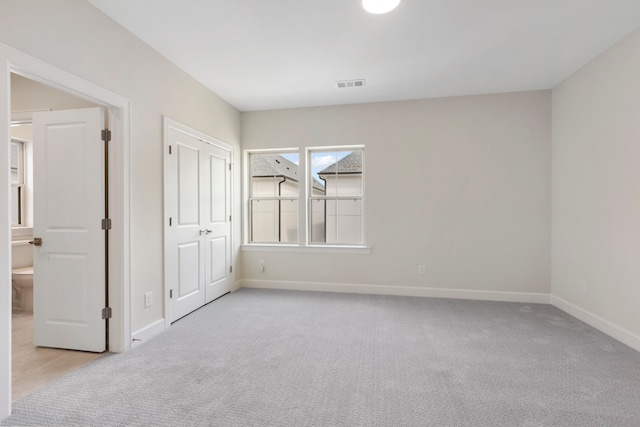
[
  {"x": 603, "y": 325},
  {"x": 408, "y": 291},
  {"x": 141, "y": 336}
]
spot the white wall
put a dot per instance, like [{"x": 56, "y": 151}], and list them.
[
  {"x": 596, "y": 191},
  {"x": 460, "y": 185},
  {"x": 74, "y": 36}
]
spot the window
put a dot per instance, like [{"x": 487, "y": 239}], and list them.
[
  {"x": 335, "y": 196},
  {"x": 334, "y": 187},
  {"x": 274, "y": 196},
  {"x": 17, "y": 183}
]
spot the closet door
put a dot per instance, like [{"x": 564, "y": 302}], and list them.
[
  {"x": 217, "y": 223},
  {"x": 199, "y": 240}
]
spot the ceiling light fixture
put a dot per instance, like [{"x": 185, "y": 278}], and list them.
[{"x": 379, "y": 6}]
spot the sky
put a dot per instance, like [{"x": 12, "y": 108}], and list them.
[{"x": 319, "y": 160}]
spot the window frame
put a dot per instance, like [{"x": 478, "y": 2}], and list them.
[
  {"x": 276, "y": 198},
  {"x": 304, "y": 243},
  {"x": 21, "y": 184},
  {"x": 309, "y": 197}
]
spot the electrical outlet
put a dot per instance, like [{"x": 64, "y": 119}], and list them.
[
  {"x": 148, "y": 299},
  {"x": 261, "y": 265},
  {"x": 422, "y": 270},
  {"x": 584, "y": 288}
]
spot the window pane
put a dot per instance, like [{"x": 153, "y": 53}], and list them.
[
  {"x": 274, "y": 174},
  {"x": 288, "y": 221},
  {"x": 344, "y": 221},
  {"x": 349, "y": 221},
  {"x": 321, "y": 167},
  {"x": 17, "y": 162},
  {"x": 263, "y": 221},
  {"x": 341, "y": 172},
  {"x": 317, "y": 221},
  {"x": 16, "y": 206},
  {"x": 274, "y": 221}
]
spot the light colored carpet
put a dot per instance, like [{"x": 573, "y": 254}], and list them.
[{"x": 282, "y": 358}]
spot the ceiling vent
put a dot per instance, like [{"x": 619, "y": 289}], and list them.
[{"x": 350, "y": 83}]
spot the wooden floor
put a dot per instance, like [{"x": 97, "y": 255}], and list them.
[{"x": 34, "y": 367}]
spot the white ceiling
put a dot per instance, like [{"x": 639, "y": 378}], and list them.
[{"x": 272, "y": 54}]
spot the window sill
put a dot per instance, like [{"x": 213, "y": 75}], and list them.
[{"x": 311, "y": 249}]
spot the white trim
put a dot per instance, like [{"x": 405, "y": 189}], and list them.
[
  {"x": 5, "y": 240},
  {"x": 311, "y": 249},
  {"x": 407, "y": 291},
  {"x": 143, "y": 335},
  {"x": 603, "y": 325},
  {"x": 15, "y": 61}
]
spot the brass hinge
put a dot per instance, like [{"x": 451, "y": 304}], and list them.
[
  {"x": 106, "y": 224},
  {"x": 170, "y": 293},
  {"x": 106, "y": 135},
  {"x": 106, "y": 313}
]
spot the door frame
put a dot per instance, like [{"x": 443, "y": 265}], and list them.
[
  {"x": 17, "y": 62},
  {"x": 169, "y": 124}
]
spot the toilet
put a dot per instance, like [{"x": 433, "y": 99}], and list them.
[{"x": 22, "y": 279}]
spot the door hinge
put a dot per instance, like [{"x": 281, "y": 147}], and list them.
[
  {"x": 170, "y": 293},
  {"x": 229, "y": 218},
  {"x": 169, "y": 149},
  {"x": 106, "y": 313},
  {"x": 106, "y": 135},
  {"x": 170, "y": 221},
  {"x": 106, "y": 224},
  {"x": 230, "y": 269},
  {"x": 229, "y": 166}
]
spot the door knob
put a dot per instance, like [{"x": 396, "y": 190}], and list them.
[
  {"x": 37, "y": 241},
  {"x": 203, "y": 232},
  {"x": 209, "y": 231}
]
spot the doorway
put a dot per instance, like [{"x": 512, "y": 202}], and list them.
[
  {"x": 50, "y": 144},
  {"x": 29, "y": 67}
]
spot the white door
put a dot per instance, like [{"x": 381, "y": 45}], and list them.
[
  {"x": 217, "y": 222},
  {"x": 199, "y": 246},
  {"x": 69, "y": 266}
]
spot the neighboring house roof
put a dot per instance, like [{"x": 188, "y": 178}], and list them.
[
  {"x": 351, "y": 163},
  {"x": 270, "y": 165},
  {"x": 264, "y": 165}
]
